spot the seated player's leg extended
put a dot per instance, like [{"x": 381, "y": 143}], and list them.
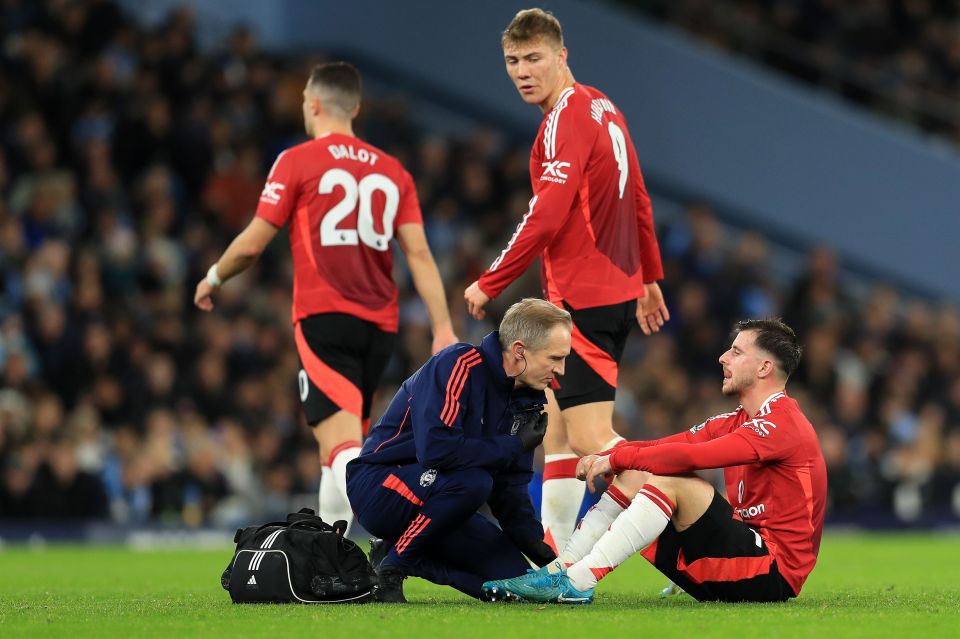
[{"x": 687, "y": 530}]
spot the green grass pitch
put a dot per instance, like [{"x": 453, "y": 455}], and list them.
[{"x": 864, "y": 586}]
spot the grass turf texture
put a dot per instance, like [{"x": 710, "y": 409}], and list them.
[{"x": 863, "y": 586}]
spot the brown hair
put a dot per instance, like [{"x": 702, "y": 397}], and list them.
[
  {"x": 775, "y": 337},
  {"x": 530, "y": 25},
  {"x": 338, "y": 86}
]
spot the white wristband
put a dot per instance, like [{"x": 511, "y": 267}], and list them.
[{"x": 213, "y": 277}]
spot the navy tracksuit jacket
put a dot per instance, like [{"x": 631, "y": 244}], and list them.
[{"x": 441, "y": 450}]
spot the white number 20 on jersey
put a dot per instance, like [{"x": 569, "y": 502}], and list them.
[
  {"x": 358, "y": 193},
  {"x": 619, "y": 154}
]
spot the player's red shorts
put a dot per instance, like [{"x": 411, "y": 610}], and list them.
[
  {"x": 341, "y": 360},
  {"x": 599, "y": 335},
  {"x": 719, "y": 558}
]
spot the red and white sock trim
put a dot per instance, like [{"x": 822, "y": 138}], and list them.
[
  {"x": 560, "y": 466},
  {"x": 656, "y": 496},
  {"x": 339, "y": 448},
  {"x": 618, "y": 497}
]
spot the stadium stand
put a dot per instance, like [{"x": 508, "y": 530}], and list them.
[
  {"x": 897, "y": 57},
  {"x": 128, "y": 159}
]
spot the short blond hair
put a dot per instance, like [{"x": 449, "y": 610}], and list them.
[
  {"x": 531, "y": 25},
  {"x": 530, "y": 321}
]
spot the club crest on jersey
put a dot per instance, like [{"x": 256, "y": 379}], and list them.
[
  {"x": 271, "y": 192},
  {"x": 427, "y": 478},
  {"x": 553, "y": 171}
]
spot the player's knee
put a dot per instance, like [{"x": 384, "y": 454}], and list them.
[
  {"x": 683, "y": 489},
  {"x": 629, "y": 482}
]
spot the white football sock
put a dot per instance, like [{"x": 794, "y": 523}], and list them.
[
  {"x": 561, "y": 498},
  {"x": 631, "y": 532},
  {"x": 333, "y": 505},
  {"x": 341, "y": 455},
  {"x": 593, "y": 525}
]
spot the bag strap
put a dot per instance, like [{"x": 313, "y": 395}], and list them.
[{"x": 339, "y": 527}]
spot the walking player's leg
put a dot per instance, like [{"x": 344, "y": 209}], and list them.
[{"x": 562, "y": 492}]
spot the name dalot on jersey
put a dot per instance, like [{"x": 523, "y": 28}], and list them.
[{"x": 347, "y": 152}]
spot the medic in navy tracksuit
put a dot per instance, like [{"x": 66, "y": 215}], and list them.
[{"x": 441, "y": 450}]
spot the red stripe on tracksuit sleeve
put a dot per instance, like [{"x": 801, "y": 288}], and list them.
[
  {"x": 456, "y": 395},
  {"x": 455, "y": 385},
  {"x": 458, "y": 369}
]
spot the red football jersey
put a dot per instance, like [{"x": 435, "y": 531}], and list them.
[
  {"x": 344, "y": 199},
  {"x": 782, "y": 493},
  {"x": 590, "y": 215}
]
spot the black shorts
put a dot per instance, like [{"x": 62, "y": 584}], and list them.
[
  {"x": 341, "y": 360},
  {"x": 719, "y": 558},
  {"x": 599, "y": 335}
]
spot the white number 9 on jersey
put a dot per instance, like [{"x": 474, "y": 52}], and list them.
[
  {"x": 619, "y": 153},
  {"x": 354, "y": 194}
]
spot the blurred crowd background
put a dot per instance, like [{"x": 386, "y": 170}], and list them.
[
  {"x": 900, "y": 58},
  {"x": 129, "y": 159}
]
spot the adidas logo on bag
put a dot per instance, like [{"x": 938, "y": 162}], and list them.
[{"x": 252, "y": 581}]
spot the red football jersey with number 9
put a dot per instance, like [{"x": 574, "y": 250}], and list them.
[{"x": 343, "y": 200}]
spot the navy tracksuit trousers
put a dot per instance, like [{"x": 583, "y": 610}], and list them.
[{"x": 432, "y": 516}]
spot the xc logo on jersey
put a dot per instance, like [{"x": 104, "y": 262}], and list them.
[
  {"x": 553, "y": 171},
  {"x": 271, "y": 192}
]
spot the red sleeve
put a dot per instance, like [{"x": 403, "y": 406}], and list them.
[
  {"x": 409, "y": 211},
  {"x": 279, "y": 195},
  {"x": 677, "y": 458},
  {"x": 649, "y": 247},
  {"x": 683, "y": 437},
  {"x": 562, "y": 166},
  {"x": 711, "y": 428}
]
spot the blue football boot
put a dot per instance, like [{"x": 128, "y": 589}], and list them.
[
  {"x": 541, "y": 588},
  {"x": 497, "y": 590}
]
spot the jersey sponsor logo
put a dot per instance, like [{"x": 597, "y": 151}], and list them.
[
  {"x": 760, "y": 426},
  {"x": 427, "y": 478},
  {"x": 751, "y": 511},
  {"x": 271, "y": 192},
  {"x": 553, "y": 171},
  {"x": 347, "y": 152},
  {"x": 599, "y": 106}
]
